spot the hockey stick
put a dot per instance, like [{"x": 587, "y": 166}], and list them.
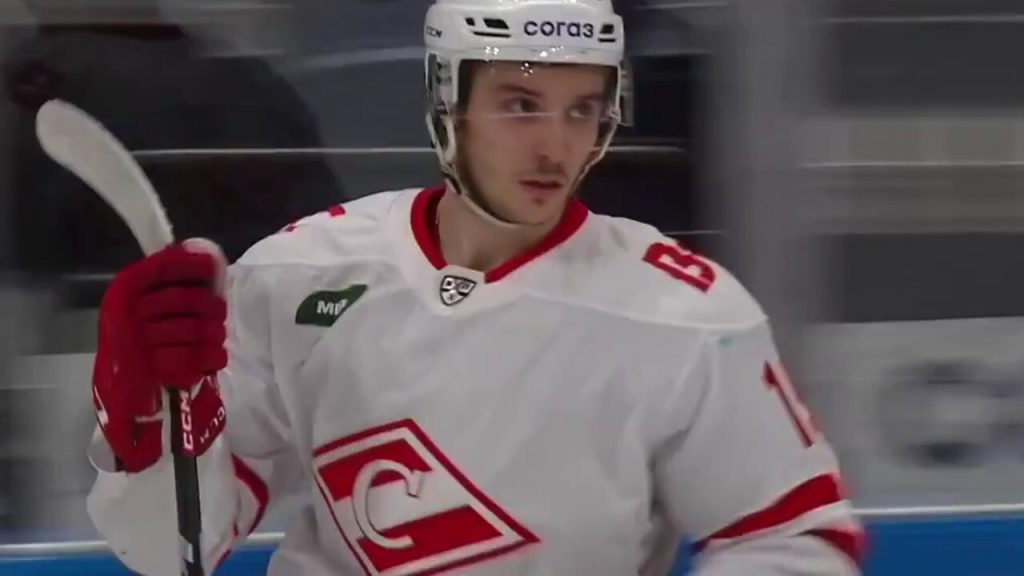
[{"x": 80, "y": 144}]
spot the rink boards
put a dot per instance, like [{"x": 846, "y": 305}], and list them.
[{"x": 937, "y": 546}]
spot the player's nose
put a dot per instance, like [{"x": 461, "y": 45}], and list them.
[{"x": 551, "y": 141}]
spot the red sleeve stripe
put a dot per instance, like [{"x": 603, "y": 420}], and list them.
[
  {"x": 815, "y": 493},
  {"x": 256, "y": 485},
  {"x": 851, "y": 542}
]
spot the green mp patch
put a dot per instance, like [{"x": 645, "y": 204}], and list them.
[{"x": 324, "y": 307}]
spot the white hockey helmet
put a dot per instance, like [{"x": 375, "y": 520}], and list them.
[{"x": 537, "y": 31}]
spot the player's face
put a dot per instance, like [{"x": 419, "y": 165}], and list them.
[{"x": 527, "y": 132}]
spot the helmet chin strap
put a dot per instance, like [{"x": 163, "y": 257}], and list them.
[
  {"x": 479, "y": 208},
  {"x": 446, "y": 153},
  {"x": 449, "y": 170}
]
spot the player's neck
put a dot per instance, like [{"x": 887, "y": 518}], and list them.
[{"x": 470, "y": 241}]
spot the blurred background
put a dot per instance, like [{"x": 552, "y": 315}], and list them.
[{"x": 857, "y": 163}]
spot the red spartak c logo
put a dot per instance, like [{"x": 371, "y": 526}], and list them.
[{"x": 404, "y": 509}]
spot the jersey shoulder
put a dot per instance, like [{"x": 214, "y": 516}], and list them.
[
  {"x": 631, "y": 269},
  {"x": 335, "y": 234}
]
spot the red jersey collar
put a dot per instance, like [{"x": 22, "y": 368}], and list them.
[{"x": 424, "y": 229}]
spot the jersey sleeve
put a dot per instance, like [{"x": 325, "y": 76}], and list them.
[
  {"x": 743, "y": 471},
  {"x": 249, "y": 466}
]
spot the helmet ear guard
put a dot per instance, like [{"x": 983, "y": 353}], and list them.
[
  {"x": 441, "y": 124},
  {"x": 625, "y": 96},
  {"x": 439, "y": 108}
]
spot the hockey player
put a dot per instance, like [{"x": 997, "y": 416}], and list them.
[{"x": 482, "y": 378}]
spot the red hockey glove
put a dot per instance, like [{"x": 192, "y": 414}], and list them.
[{"x": 162, "y": 324}]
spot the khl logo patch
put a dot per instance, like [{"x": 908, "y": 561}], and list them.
[
  {"x": 404, "y": 509},
  {"x": 455, "y": 289}
]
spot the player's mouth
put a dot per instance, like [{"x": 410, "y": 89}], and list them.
[{"x": 541, "y": 187}]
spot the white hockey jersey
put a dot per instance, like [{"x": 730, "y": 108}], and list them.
[{"x": 576, "y": 411}]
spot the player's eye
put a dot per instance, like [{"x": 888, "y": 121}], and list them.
[
  {"x": 521, "y": 105},
  {"x": 586, "y": 111}
]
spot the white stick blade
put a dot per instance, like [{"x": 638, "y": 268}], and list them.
[{"x": 78, "y": 142}]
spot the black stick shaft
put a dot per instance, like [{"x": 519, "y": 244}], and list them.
[{"x": 186, "y": 483}]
